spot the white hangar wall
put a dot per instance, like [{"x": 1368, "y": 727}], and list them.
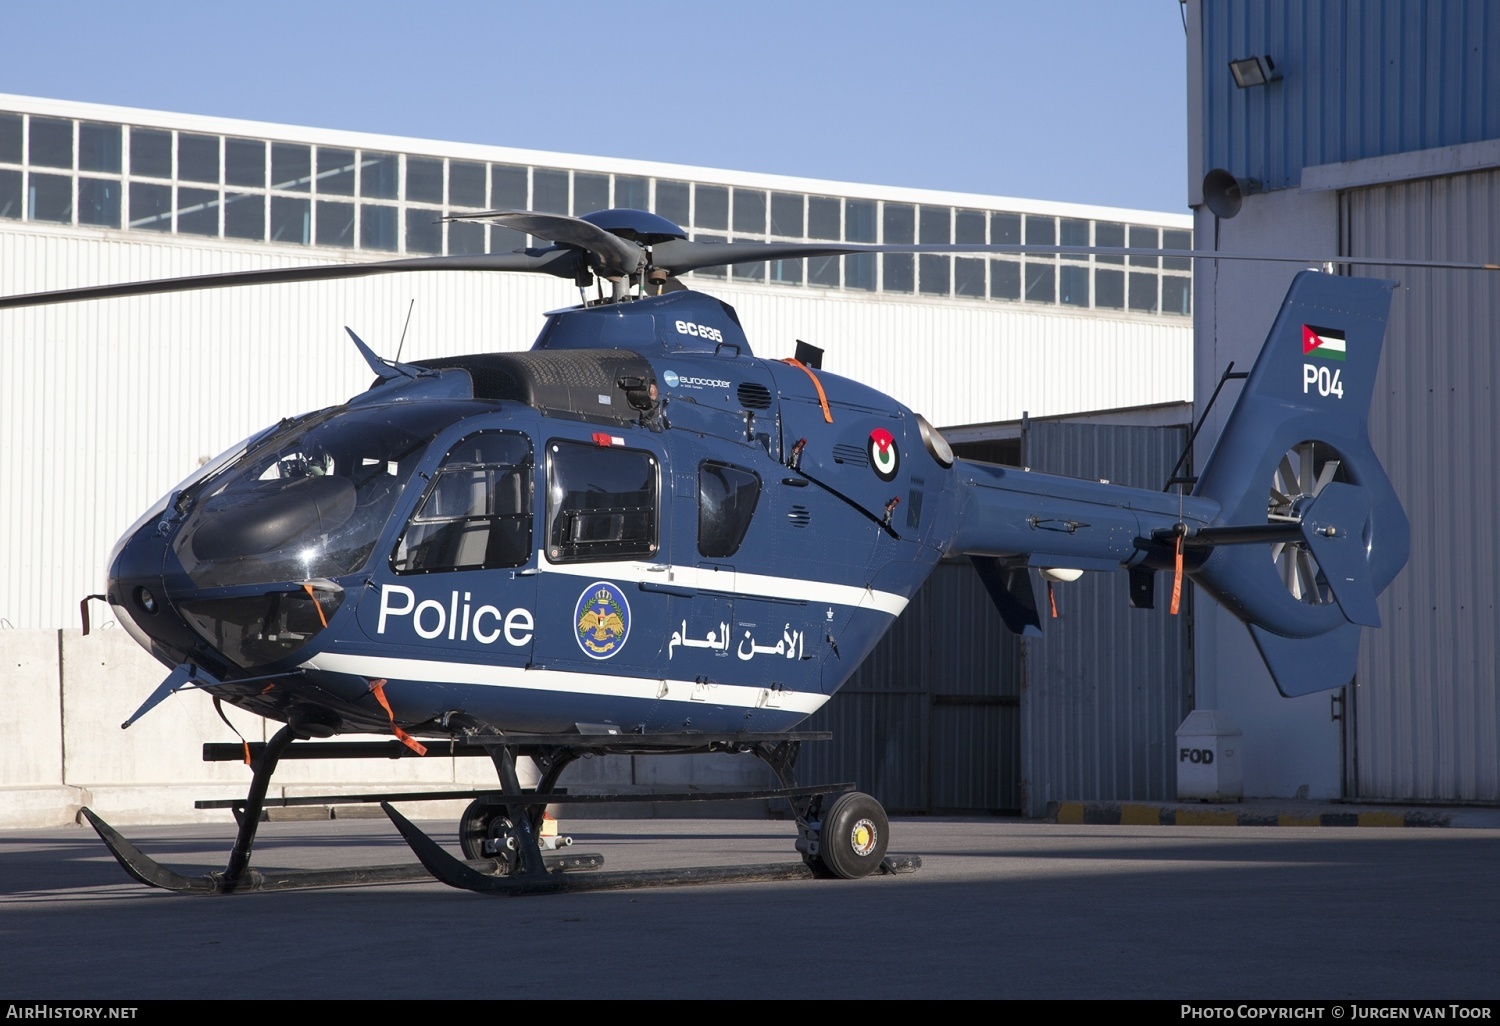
[
  {"x": 967, "y": 363},
  {"x": 109, "y": 404}
]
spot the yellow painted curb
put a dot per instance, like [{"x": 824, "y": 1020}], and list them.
[
  {"x": 1206, "y": 817},
  {"x": 1070, "y": 812},
  {"x": 1140, "y": 815},
  {"x": 1381, "y": 819}
]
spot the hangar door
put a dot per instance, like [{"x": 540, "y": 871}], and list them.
[
  {"x": 1107, "y": 685},
  {"x": 952, "y": 713},
  {"x": 1423, "y": 718}
]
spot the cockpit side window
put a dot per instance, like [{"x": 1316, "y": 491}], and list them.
[
  {"x": 602, "y": 502},
  {"x": 726, "y": 501},
  {"x": 476, "y": 514},
  {"x": 307, "y": 500}
]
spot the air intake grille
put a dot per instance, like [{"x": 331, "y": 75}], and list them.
[
  {"x": 754, "y": 396},
  {"x": 850, "y": 454},
  {"x": 799, "y": 516}
]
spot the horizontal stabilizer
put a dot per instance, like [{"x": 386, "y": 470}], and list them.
[{"x": 1334, "y": 528}]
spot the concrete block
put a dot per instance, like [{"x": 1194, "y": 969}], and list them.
[
  {"x": 41, "y": 806},
  {"x": 105, "y": 677},
  {"x": 30, "y": 711},
  {"x": 689, "y": 772},
  {"x": 64, "y": 695},
  {"x": 433, "y": 769},
  {"x": 599, "y": 771},
  {"x": 448, "y": 811},
  {"x": 125, "y": 805}
]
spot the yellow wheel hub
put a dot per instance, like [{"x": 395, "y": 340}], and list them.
[{"x": 862, "y": 837}]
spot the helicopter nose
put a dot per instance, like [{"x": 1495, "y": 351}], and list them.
[
  {"x": 137, "y": 590},
  {"x": 246, "y": 626}
]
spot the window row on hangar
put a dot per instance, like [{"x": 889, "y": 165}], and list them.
[{"x": 98, "y": 174}]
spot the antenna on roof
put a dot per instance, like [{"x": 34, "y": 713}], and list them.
[{"x": 402, "y": 343}]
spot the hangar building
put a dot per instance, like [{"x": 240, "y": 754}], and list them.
[{"x": 1367, "y": 129}]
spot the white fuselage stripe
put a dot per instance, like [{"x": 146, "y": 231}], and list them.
[
  {"x": 565, "y": 682},
  {"x": 732, "y": 582}
]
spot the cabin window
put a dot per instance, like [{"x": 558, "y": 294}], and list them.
[
  {"x": 601, "y": 502},
  {"x": 476, "y": 514},
  {"x": 726, "y": 501}
]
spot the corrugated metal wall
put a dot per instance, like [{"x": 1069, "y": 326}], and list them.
[
  {"x": 1361, "y": 78},
  {"x": 1107, "y": 685},
  {"x": 929, "y": 722},
  {"x": 951, "y": 712},
  {"x": 1427, "y": 704}
]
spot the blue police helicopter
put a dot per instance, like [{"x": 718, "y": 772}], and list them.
[{"x": 641, "y": 537}]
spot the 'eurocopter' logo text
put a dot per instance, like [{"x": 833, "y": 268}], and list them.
[
  {"x": 601, "y": 620},
  {"x": 675, "y": 380}
]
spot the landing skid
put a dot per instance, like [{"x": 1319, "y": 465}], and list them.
[{"x": 499, "y": 832}]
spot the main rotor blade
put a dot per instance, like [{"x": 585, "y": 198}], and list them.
[
  {"x": 616, "y": 257},
  {"x": 682, "y": 255},
  {"x": 564, "y": 263},
  {"x": 583, "y": 246}
]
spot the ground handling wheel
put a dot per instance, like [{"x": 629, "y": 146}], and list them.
[
  {"x": 485, "y": 832},
  {"x": 854, "y": 836}
]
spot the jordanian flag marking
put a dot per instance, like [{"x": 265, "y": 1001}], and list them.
[
  {"x": 884, "y": 459},
  {"x": 1327, "y": 343}
]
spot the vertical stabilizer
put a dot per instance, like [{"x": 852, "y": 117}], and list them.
[{"x": 1295, "y": 457}]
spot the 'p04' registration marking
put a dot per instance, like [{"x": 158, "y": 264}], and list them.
[{"x": 1328, "y": 381}]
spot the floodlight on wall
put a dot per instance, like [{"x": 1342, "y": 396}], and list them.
[{"x": 1253, "y": 71}]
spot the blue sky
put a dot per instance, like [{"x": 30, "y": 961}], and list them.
[{"x": 1073, "y": 100}]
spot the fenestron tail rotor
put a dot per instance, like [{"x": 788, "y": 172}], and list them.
[{"x": 1301, "y": 475}]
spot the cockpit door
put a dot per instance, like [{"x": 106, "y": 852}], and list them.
[{"x": 462, "y": 576}]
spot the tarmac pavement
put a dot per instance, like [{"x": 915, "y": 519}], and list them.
[{"x": 1002, "y": 908}]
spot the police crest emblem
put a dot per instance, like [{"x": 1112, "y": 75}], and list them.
[{"x": 601, "y": 620}]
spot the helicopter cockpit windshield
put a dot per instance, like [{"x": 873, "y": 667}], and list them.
[{"x": 310, "y": 504}]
